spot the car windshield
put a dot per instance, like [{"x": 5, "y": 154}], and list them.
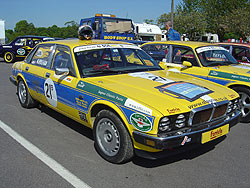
[
  {"x": 101, "y": 60},
  {"x": 215, "y": 56}
]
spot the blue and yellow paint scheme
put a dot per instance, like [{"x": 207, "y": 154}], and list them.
[{"x": 141, "y": 99}]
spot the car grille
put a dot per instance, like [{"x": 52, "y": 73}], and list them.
[{"x": 202, "y": 115}]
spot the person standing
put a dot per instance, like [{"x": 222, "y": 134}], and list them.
[{"x": 172, "y": 34}]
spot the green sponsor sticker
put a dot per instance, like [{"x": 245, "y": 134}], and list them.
[
  {"x": 104, "y": 93},
  {"x": 229, "y": 76},
  {"x": 141, "y": 122}
]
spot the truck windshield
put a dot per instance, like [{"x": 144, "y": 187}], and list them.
[
  {"x": 112, "y": 25},
  {"x": 113, "y": 60}
]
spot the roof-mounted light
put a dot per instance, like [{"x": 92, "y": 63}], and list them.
[{"x": 105, "y": 15}]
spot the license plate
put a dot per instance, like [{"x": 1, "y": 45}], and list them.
[{"x": 215, "y": 133}]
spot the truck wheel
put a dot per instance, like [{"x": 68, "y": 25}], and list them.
[
  {"x": 245, "y": 103},
  {"x": 9, "y": 57},
  {"x": 24, "y": 96},
  {"x": 112, "y": 140}
]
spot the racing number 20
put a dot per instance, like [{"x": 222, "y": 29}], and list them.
[{"x": 48, "y": 90}]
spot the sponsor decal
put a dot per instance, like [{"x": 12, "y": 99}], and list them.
[
  {"x": 208, "y": 99},
  {"x": 104, "y": 93},
  {"x": 150, "y": 76},
  {"x": 83, "y": 116},
  {"x": 20, "y": 51},
  {"x": 204, "y": 102},
  {"x": 102, "y": 46},
  {"x": 215, "y": 133},
  {"x": 81, "y": 103},
  {"x": 141, "y": 122},
  {"x": 242, "y": 67},
  {"x": 117, "y": 38},
  {"x": 229, "y": 76},
  {"x": 174, "y": 110},
  {"x": 207, "y": 48},
  {"x": 137, "y": 106},
  {"x": 50, "y": 92},
  {"x": 184, "y": 90},
  {"x": 7, "y": 46},
  {"x": 185, "y": 140}
]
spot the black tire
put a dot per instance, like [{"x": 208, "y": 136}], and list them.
[
  {"x": 112, "y": 140},
  {"x": 245, "y": 103},
  {"x": 9, "y": 57},
  {"x": 24, "y": 96}
]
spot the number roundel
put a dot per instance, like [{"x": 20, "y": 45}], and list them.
[{"x": 50, "y": 92}]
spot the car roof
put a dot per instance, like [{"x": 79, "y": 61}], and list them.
[
  {"x": 193, "y": 44},
  {"x": 77, "y": 42},
  {"x": 33, "y": 36},
  {"x": 235, "y": 44}
]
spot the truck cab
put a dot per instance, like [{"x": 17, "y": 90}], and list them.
[{"x": 109, "y": 27}]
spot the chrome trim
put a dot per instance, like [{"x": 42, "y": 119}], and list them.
[{"x": 212, "y": 106}]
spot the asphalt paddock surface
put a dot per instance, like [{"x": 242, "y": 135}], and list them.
[{"x": 42, "y": 148}]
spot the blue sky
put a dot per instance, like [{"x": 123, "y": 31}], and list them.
[{"x": 46, "y": 13}]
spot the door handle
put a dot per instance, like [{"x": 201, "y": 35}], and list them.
[
  {"x": 47, "y": 74},
  {"x": 26, "y": 68},
  {"x": 80, "y": 97}
]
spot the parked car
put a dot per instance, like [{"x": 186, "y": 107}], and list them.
[
  {"x": 240, "y": 51},
  {"x": 19, "y": 48},
  {"x": 209, "y": 62},
  {"x": 119, "y": 91}
]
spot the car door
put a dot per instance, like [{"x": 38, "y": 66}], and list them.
[
  {"x": 38, "y": 61},
  {"x": 178, "y": 54},
  {"x": 60, "y": 88}
]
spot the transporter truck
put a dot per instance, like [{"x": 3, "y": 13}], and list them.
[{"x": 109, "y": 27}]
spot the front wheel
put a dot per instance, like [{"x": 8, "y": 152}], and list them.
[
  {"x": 24, "y": 96},
  {"x": 245, "y": 103},
  {"x": 9, "y": 57},
  {"x": 112, "y": 140}
]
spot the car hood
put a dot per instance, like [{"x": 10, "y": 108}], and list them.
[
  {"x": 164, "y": 91},
  {"x": 239, "y": 69}
]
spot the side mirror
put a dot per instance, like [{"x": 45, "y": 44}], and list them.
[
  {"x": 187, "y": 64},
  {"x": 162, "y": 65},
  {"x": 62, "y": 71}
]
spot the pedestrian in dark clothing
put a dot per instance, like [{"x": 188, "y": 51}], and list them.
[{"x": 172, "y": 34}]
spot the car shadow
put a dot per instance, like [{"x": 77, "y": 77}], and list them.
[
  {"x": 187, "y": 155},
  {"x": 78, "y": 127}
]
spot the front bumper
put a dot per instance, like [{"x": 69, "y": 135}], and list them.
[{"x": 185, "y": 140}]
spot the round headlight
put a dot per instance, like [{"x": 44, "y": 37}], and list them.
[
  {"x": 180, "y": 121},
  {"x": 164, "y": 124},
  {"x": 230, "y": 107}
]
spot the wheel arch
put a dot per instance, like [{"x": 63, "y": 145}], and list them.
[
  {"x": 100, "y": 105},
  {"x": 238, "y": 85}
]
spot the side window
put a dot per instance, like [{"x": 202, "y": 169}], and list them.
[
  {"x": 42, "y": 56},
  {"x": 62, "y": 59},
  {"x": 181, "y": 54},
  {"x": 20, "y": 42},
  {"x": 239, "y": 53}
]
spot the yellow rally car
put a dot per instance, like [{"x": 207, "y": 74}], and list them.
[
  {"x": 119, "y": 91},
  {"x": 207, "y": 61}
]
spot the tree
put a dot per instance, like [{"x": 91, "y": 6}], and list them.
[{"x": 24, "y": 28}]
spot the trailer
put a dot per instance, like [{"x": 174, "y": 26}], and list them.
[{"x": 2, "y": 31}]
